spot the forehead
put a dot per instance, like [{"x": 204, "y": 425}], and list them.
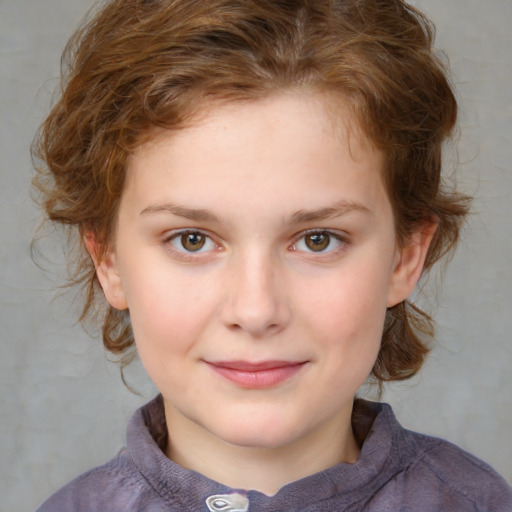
[
  {"x": 284, "y": 146},
  {"x": 307, "y": 113}
]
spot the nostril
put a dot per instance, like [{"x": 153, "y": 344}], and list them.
[{"x": 253, "y": 304}]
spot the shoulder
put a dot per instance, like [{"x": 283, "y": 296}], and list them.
[
  {"x": 424, "y": 473},
  {"x": 457, "y": 473},
  {"x": 114, "y": 486}
]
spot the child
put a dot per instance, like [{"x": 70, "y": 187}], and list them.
[{"x": 256, "y": 186}]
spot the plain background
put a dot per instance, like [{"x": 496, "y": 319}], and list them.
[{"x": 63, "y": 406}]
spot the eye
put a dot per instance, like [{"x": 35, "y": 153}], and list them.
[
  {"x": 318, "y": 241},
  {"x": 191, "y": 241}
]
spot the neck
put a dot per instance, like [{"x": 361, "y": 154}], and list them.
[{"x": 259, "y": 468}]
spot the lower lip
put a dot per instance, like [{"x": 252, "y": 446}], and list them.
[{"x": 258, "y": 378}]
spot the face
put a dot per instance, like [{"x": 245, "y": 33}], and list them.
[{"x": 256, "y": 253}]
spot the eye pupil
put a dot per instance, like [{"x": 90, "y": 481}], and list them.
[
  {"x": 318, "y": 241},
  {"x": 193, "y": 241}
]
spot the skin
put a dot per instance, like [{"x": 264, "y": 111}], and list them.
[{"x": 259, "y": 183}]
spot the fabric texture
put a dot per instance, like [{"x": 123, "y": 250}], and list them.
[{"x": 397, "y": 471}]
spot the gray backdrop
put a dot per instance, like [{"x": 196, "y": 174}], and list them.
[{"x": 63, "y": 406}]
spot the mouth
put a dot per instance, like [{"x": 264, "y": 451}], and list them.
[{"x": 261, "y": 375}]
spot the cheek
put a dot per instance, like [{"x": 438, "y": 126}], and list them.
[
  {"x": 347, "y": 319},
  {"x": 168, "y": 322},
  {"x": 167, "y": 311},
  {"x": 350, "y": 300}
]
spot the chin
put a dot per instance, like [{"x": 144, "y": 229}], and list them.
[
  {"x": 269, "y": 433},
  {"x": 259, "y": 440}
]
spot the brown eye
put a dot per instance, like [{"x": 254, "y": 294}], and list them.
[
  {"x": 317, "y": 241},
  {"x": 192, "y": 242}
]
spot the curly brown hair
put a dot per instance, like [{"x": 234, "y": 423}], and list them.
[{"x": 139, "y": 64}]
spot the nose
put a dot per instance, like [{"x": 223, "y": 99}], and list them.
[{"x": 255, "y": 298}]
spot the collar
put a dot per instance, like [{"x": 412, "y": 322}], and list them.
[{"x": 375, "y": 427}]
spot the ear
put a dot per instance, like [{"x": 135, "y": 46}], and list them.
[
  {"x": 409, "y": 264},
  {"x": 107, "y": 272}
]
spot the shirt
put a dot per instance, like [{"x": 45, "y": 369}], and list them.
[{"x": 397, "y": 471}]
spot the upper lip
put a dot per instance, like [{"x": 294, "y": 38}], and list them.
[{"x": 247, "y": 366}]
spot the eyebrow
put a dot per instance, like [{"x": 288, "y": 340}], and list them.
[
  {"x": 196, "y": 214},
  {"x": 337, "y": 210},
  {"x": 301, "y": 216}
]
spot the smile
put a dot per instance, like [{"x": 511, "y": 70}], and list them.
[{"x": 265, "y": 374}]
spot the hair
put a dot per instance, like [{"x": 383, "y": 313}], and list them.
[{"x": 139, "y": 64}]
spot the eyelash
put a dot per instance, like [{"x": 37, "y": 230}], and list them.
[
  {"x": 341, "y": 241},
  {"x": 183, "y": 252}
]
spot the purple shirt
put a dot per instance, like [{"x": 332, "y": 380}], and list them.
[{"x": 397, "y": 470}]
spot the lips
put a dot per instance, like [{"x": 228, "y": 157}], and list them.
[{"x": 264, "y": 374}]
